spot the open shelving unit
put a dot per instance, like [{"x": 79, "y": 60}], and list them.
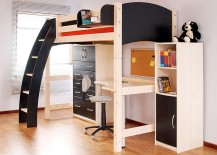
[{"x": 179, "y": 116}]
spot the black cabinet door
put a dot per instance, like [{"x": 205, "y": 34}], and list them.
[{"x": 166, "y": 131}]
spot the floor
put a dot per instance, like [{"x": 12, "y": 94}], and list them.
[{"x": 63, "y": 135}]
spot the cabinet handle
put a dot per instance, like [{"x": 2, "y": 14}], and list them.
[
  {"x": 77, "y": 65},
  {"x": 173, "y": 121},
  {"x": 85, "y": 53},
  {"x": 77, "y": 92},
  {"x": 78, "y": 106},
  {"x": 89, "y": 66},
  {"x": 77, "y": 74},
  {"x": 82, "y": 53},
  {"x": 77, "y": 83},
  {"x": 89, "y": 109}
]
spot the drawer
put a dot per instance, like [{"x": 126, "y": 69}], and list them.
[
  {"x": 90, "y": 110},
  {"x": 78, "y": 108},
  {"x": 85, "y": 109},
  {"x": 78, "y": 94},
  {"x": 88, "y": 94},
  {"x": 78, "y": 74},
  {"x": 84, "y": 53},
  {"x": 84, "y": 65}
]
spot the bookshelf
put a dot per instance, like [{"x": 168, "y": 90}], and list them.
[
  {"x": 179, "y": 116},
  {"x": 104, "y": 16}
]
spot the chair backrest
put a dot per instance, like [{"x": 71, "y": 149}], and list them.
[{"x": 86, "y": 83}]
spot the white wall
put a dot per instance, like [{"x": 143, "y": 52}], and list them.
[
  {"x": 5, "y": 52},
  {"x": 203, "y": 12}
]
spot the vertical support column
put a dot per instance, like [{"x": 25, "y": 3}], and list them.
[
  {"x": 58, "y": 24},
  {"x": 174, "y": 23},
  {"x": 123, "y": 120},
  {"x": 118, "y": 108},
  {"x": 98, "y": 105},
  {"x": 47, "y": 89}
]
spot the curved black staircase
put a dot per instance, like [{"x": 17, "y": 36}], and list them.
[{"x": 33, "y": 73}]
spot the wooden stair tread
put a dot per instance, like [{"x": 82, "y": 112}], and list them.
[
  {"x": 41, "y": 40},
  {"x": 29, "y": 74},
  {"x": 26, "y": 92},
  {"x": 24, "y": 110}
]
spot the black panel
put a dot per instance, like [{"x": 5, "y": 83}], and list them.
[
  {"x": 166, "y": 120},
  {"x": 146, "y": 22},
  {"x": 71, "y": 22},
  {"x": 107, "y": 15}
]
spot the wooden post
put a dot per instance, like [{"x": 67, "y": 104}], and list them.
[
  {"x": 118, "y": 108},
  {"x": 47, "y": 89}
]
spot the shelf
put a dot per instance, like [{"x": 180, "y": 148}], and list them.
[
  {"x": 24, "y": 110},
  {"x": 167, "y": 94},
  {"x": 106, "y": 14},
  {"x": 26, "y": 92},
  {"x": 90, "y": 25},
  {"x": 172, "y": 68}
]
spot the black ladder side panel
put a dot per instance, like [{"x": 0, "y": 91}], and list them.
[{"x": 33, "y": 73}]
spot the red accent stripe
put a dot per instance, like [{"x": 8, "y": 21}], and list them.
[{"x": 90, "y": 31}]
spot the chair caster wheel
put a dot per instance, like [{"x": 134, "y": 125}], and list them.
[
  {"x": 85, "y": 131},
  {"x": 93, "y": 137}
]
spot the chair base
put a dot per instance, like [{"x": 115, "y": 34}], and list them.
[{"x": 99, "y": 128}]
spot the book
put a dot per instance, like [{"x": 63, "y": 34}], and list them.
[
  {"x": 164, "y": 84},
  {"x": 168, "y": 58},
  {"x": 85, "y": 17},
  {"x": 173, "y": 59}
]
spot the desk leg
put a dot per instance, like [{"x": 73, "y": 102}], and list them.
[
  {"x": 118, "y": 122},
  {"x": 123, "y": 120},
  {"x": 98, "y": 105}
]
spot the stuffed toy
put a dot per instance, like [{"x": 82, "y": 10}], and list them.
[{"x": 190, "y": 33}]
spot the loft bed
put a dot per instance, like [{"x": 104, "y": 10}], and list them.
[
  {"x": 121, "y": 24},
  {"x": 152, "y": 23}
]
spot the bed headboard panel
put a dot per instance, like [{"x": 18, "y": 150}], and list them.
[{"x": 146, "y": 22}]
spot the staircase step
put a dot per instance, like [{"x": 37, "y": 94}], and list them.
[
  {"x": 41, "y": 40},
  {"x": 29, "y": 74},
  {"x": 24, "y": 110},
  {"x": 34, "y": 57},
  {"x": 26, "y": 92}
]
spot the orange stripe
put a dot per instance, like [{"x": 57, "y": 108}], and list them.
[{"x": 91, "y": 31}]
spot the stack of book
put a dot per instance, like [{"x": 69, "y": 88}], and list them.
[{"x": 168, "y": 58}]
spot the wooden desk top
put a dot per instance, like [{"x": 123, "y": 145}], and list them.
[{"x": 129, "y": 86}]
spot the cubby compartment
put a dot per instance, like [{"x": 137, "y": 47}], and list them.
[{"x": 105, "y": 16}]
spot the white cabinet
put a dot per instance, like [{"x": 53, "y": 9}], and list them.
[{"x": 179, "y": 115}]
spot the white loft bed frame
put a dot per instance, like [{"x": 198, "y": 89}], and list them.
[{"x": 120, "y": 133}]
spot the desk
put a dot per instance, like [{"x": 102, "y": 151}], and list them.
[{"x": 129, "y": 86}]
